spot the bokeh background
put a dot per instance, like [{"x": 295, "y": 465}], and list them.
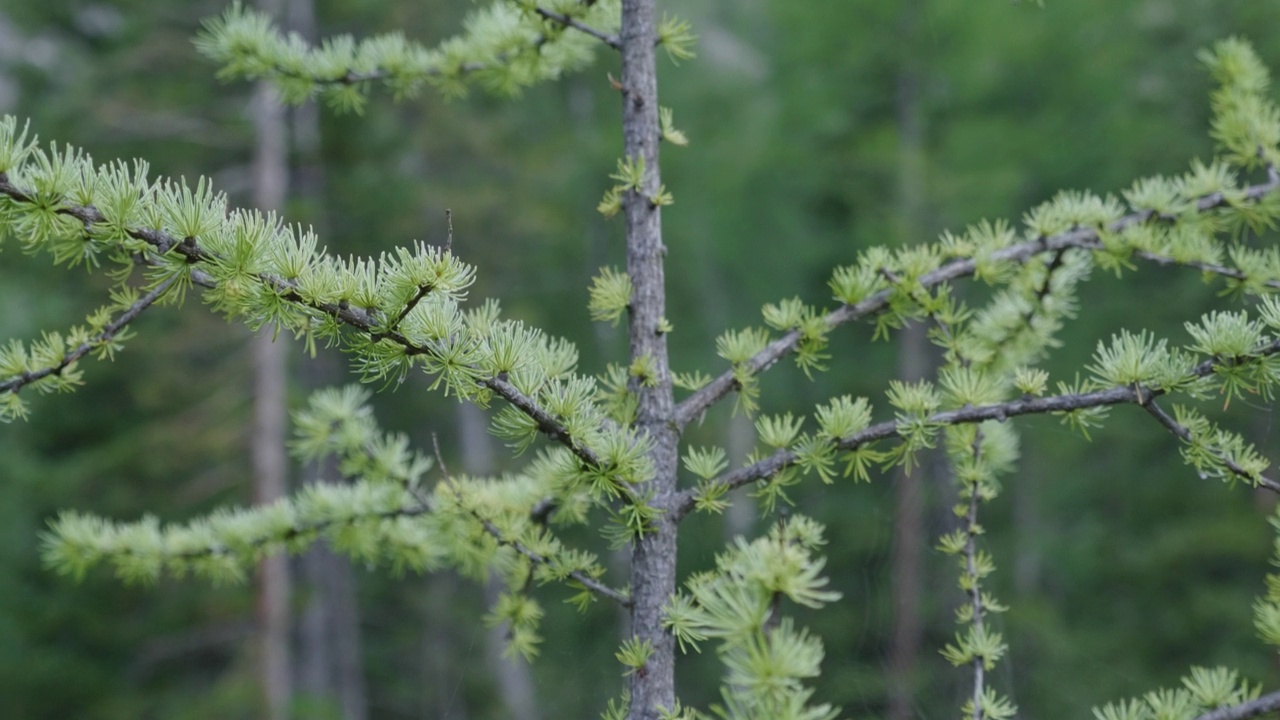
[{"x": 817, "y": 129}]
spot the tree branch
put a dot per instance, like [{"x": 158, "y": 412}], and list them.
[
  {"x": 975, "y": 588},
  {"x": 352, "y": 77},
  {"x": 1086, "y": 238},
  {"x": 1135, "y": 394},
  {"x": 582, "y": 578}
]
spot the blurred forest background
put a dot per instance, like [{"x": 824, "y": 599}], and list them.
[{"x": 817, "y": 128}]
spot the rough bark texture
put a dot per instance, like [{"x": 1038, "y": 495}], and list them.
[{"x": 653, "y": 557}]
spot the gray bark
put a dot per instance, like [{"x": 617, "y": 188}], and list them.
[{"x": 653, "y": 556}]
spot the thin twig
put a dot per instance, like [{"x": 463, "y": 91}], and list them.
[{"x": 975, "y": 586}]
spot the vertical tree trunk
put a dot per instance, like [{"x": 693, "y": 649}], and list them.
[
  {"x": 270, "y": 461},
  {"x": 653, "y": 556},
  {"x": 914, "y": 363}
]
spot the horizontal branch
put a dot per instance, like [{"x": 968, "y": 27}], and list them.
[
  {"x": 1127, "y": 394},
  {"x": 106, "y": 335},
  {"x": 259, "y": 544},
  {"x": 1079, "y": 237}
]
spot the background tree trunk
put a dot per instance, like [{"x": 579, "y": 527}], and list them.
[
  {"x": 914, "y": 363},
  {"x": 270, "y": 460},
  {"x": 330, "y": 663}
]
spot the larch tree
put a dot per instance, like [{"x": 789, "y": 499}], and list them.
[{"x": 606, "y": 448}]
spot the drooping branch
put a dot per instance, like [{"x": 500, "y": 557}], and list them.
[
  {"x": 1182, "y": 432},
  {"x": 356, "y": 318},
  {"x": 695, "y": 405},
  {"x": 578, "y": 576},
  {"x": 587, "y": 581},
  {"x": 977, "y": 606}
]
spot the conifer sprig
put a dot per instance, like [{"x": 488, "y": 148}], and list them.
[
  {"x": 739, "y": 604},
  {"x": 980, "y": 454},
  {"x": 361, "y": 520}
]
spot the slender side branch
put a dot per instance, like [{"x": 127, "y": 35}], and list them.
[
  {"x": 975, "y": 589},
  {"x": 435, "y": 70},
  {"x": 1086, "y": 238},
  {"x": 295, "y": 532},
  {"x": 107, "y": 334}
]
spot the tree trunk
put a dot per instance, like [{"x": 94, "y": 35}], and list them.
[
  {"x": 653, "y": 556},
  {"x": 906, "y": 636}
]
